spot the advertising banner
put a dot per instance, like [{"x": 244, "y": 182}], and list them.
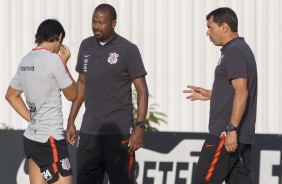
[{"x": 167, "y": 158}]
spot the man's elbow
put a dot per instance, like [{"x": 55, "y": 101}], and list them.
[
  {"x": 73, "y": 96},
  {"x": 71, "y": 92},
  {"x": 143, "y": 92},
  {"x": 9, "y": 97},
  {"x": 147, "y": 93},
  {"x": 244, "y": 95}
]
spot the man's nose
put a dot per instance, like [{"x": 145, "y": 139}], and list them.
[{"x": 95, "y": 25}]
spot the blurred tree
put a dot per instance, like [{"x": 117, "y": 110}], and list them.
[
  {"x": 154, "y": 117},
  {"x": 4, "y": 126}
]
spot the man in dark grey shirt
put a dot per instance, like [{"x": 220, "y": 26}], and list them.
[
  {"x": 225, "y": 155},
  {"x": 108, "y": 65}
]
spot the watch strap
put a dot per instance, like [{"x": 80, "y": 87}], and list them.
[
  {"x": 141, "y": 124},
  {"x": 231, "y": 127}
]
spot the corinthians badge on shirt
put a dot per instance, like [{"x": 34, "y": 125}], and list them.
[
  {"x": 112, "y": 59},
  {"x": 219, "y": 61}
]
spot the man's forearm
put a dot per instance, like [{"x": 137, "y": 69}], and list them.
[
  {"x": 75, "y": 109},
  {"x": 18, "y": 104},
  {"x": 239, "y": 106},
  {"x": 77, "y": 103},
  {"x": 142, "y": 106},
  {"x": 210, "y": 94}
]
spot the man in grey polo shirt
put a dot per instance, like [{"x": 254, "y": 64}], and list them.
[
  {"x": 41, "y": 76},
  {"x": 226, "y": 153}
]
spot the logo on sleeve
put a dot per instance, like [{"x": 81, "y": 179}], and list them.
[
  {"x": 219, "y": 61},
  {"x": 113, "y": 58},
  {"x": 85, "y": 61}
]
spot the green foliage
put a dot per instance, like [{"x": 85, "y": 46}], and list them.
[
  {"x": 154, "y": 117},
  {"x": 3, "y": 126}
]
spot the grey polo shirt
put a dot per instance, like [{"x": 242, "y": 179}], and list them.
[{"x": 41, "y": 75}]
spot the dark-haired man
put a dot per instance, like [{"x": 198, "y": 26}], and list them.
[
  {"x": 41, "y": 76},
  {"x": 226, "y": 153},
  {"x": 108, "y": 64}
]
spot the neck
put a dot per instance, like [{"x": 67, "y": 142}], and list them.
[
  {"x": 230, "y": 37},
  {"x": 47, "y": 45},
  {"x": 108, "y": 39}
]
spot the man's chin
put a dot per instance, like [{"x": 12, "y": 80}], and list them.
[
  {"x": 100, "y": 39},
  {"x": 98, "y": 36}
]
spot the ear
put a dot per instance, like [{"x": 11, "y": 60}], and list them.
[
  {"x": 60, "y": 37},
  {"x": 114, "y": 22},
  {"x": 225, "y": 27}
]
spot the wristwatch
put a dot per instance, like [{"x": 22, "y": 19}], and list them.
[
  {"x": 141, "y": 124},
  {"x": 230, "y": 127}
]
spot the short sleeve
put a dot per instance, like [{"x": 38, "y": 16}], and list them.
[
  {"x": 79, "y": 64},
  {"x": 134, "y": 63},
  {"x": 237, "y": 64},
  {"x": 60, "y": 73},
  {"x": 15, "y": 82}
]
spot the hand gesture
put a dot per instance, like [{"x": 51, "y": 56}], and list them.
[
  {"x": 65, "y": 53},
  {"x": 197, "y": 93}
]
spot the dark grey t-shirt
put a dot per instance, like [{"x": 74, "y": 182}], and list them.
[
  {"x": 109, "y": 71},
  {"x": 237, "y": 61}
]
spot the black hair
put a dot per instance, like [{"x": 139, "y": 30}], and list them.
[
  {"x": 224, "y": 15},
  {"x": 49, "y": 30},
  {"x": 109, "y": 8}
]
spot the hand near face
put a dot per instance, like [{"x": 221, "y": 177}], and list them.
[{"x": 65, "y": 53}]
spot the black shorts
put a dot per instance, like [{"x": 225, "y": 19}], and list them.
[
  {"x": 216, "y": 165},
  {"x": 97, "y": 154},
  {"x": 52, "y": 157}
]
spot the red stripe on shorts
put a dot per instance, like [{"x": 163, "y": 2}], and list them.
[
  {"x": 131, "y": 159},
  {"x": 215, "y": 158},
  {"x": 55, "y": 153}
]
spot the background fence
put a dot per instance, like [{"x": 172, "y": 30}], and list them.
[{"x": 167, "y": 158}]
